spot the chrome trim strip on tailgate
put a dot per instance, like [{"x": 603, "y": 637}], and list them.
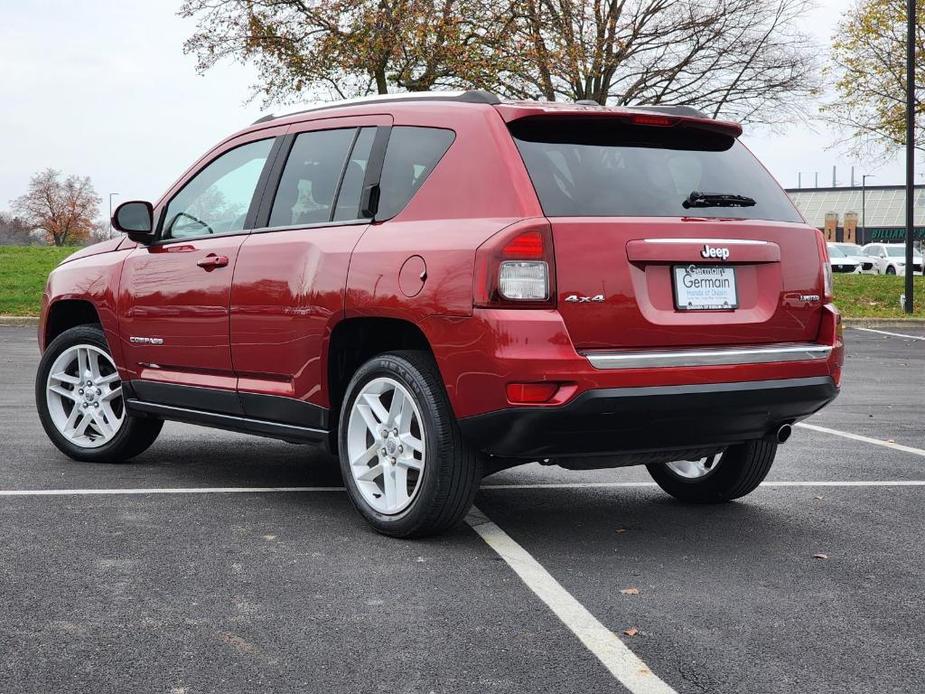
[{"x": 698, "y": 356}]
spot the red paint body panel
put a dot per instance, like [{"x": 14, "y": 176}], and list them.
[
  {"x": 93, "y": 278},
  {"x": 165, "y": 295},
  {"x": 288, "y": 295}
]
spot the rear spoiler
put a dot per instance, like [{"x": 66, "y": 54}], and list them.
[{"x": 651, "y": 116}]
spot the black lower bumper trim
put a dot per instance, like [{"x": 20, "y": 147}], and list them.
[{"x": 627, "y": 420}]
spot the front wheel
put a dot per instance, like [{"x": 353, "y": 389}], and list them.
[
  {"x": 405, "y": 465},
  {"x": 891, "y": 270},
  {"x": 728, "y": 475},
  {"x": 79, "y": 399}
]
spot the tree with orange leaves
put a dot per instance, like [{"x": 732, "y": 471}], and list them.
[
  {"x": 65, "y": 209},
  {"x": 746, "y": 60}
]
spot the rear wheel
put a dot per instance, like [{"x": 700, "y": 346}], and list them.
[
  {"x": 729, "y": 475},
  {"x": 405, "y": 465},
  {"x": 79, "y": 399}
]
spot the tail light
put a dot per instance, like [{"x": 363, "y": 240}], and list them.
[
  {"x": 516, "y": 267},
  {"x": 827, "y": 284}
]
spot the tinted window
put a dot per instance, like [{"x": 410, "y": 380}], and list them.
[
  {"x": 604, "y": 168},
  {"x": 348, "y": 198},
  {"x": 411, "y": 155},
  {"x": 216, "y": 200},
  {"x": 309, "y": 182}
]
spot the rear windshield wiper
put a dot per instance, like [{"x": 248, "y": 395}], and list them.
[{"x": 698, "y": 199}]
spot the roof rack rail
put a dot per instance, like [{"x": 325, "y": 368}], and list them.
[
  {"x": 473, "y": 96},
  {"x": 676, "y": 110}
]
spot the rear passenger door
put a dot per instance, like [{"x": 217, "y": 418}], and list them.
[{"x": 289, "y": 283}]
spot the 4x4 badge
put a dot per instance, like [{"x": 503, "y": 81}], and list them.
[{"x": 576, "y": 299}]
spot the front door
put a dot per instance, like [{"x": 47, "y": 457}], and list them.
[{"x": 175, "y": 293}]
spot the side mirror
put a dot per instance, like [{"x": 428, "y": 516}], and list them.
[{"x": 136, "y": 219}]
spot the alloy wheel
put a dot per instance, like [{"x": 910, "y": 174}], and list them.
[
  {"x": 385, "y": 445},
  {"x": 695, "y": 469},
  {"x": 84, "y": 396}
]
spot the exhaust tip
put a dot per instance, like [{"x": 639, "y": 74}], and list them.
[{"x": 784, "y": 433}]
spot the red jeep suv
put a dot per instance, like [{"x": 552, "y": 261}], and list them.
[{"x": 440, "y": 286}]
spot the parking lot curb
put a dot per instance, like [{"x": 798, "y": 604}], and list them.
[
  {"x": 8, "y": 321},
  {"x": 884, "y": 322}
]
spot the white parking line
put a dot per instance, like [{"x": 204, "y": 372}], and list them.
[
  {"x": 165, "y": 490},
  {"x": 622, "y": 663},
  {"x": 609, "y": 485},
  {"x": 885, "y": 332},
  {"x": 141, "y": 491},
  {"x": 865, "y": 439}
]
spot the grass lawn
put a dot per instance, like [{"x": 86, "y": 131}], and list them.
[
  {"x": 876, "y": 296},
  {"x": 23, "y": 271}
]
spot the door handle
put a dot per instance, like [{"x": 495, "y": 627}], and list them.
[{"x": 212, "y": 261}]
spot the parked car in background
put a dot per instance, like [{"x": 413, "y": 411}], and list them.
[
  {"x": 854, "y": 252},
  {"x": 840, "y": 261},
  {"x": 890, "y": 258},
  {"x": 442, "y": 286}
]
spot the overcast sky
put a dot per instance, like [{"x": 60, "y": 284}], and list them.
[{"x": 102, "y": 88}]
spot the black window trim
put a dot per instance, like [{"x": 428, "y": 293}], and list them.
[{"x": 256, "y": 196}]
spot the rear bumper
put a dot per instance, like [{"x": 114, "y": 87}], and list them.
[{"x": 629, "y": 420}]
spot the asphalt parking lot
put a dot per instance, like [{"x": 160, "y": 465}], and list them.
[{"x": 231, "y": 591}]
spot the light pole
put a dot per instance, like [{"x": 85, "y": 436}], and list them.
[
  {"x": 110, "y": 213},
  {"x": 864, "y": 206},
  {"x": 910, "y": 146}
]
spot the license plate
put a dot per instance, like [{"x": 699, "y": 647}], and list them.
[{"x": 704, "y": 288}]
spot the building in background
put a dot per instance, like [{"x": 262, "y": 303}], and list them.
[{"x": 845, "y": 216}]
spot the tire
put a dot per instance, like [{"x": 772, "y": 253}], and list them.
[
  {"x": 891, "y": 270},
  {"x": 124, "y": 438},
  {"x": 443, "y": 486},
  {"x": 737, "y": 472}
]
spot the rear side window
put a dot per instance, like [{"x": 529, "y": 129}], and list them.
[
  {"x": 411, "y": 155},
  {"x": 604, "y": 168},
  {"x": 309, "y": 184}
]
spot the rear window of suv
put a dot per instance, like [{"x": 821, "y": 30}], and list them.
[{"x": 604, "y": 168}]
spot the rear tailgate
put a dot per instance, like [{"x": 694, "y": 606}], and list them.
[
  {"x": 643, "y": 259},
  {"x": 637, "y": 265}
]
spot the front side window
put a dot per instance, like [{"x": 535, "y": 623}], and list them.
[
  {"x": 309, "y": 182},
  {"x": 604, "y": 168},
  {"x": 216, "y": 200},
  {"x": 412, "y": 153}
]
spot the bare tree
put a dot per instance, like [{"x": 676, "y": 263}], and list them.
[
  {"x": 739, "y": 59},
  {"x": 65, "y": 209},
  {"x": 745, "y": 60}
]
